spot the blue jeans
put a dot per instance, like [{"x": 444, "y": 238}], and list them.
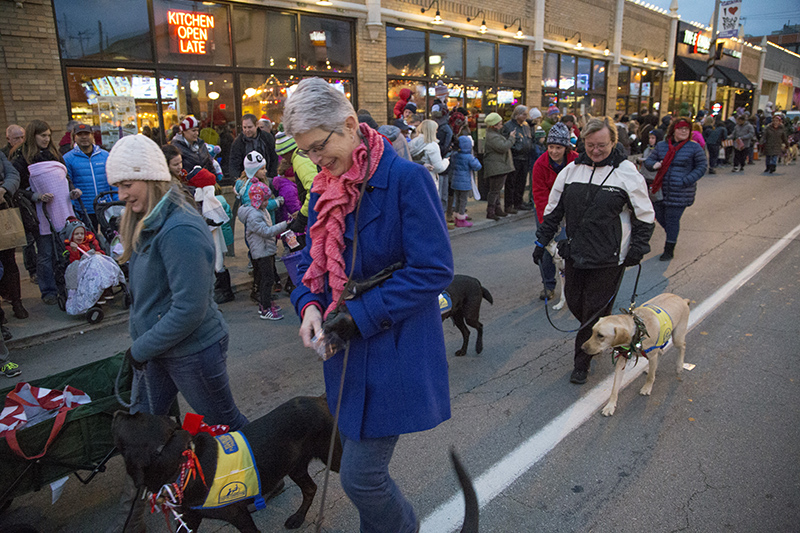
[
  {"x": 44, "y": 266},
  {"x": 772, "y": 161},
  {"x": 546, "y": 266},
  {"x": 201, "y": 377},
  {"x": 669, "y": 217},
  {"x": 713, "y": 155},
  {"x": 364, "y": 475}
]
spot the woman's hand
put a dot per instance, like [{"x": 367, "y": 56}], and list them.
[
  {"x": 74, "y": 194},
  {"x": 657, "y": 166},
  {"x": 311, "y": 326},
  {"x": 46, "y": 198}
]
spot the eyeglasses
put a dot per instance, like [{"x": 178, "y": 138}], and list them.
[
  {"x": 315, "y": 150},
  {"x": 593, "y": 147}
]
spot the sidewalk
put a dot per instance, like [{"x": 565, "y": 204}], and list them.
[{"x": 48, "y": 323}]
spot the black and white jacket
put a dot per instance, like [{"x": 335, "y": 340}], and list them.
[{"x": 607, "y": 210}]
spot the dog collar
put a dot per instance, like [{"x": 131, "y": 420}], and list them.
[{"x": 635, "y": 347}]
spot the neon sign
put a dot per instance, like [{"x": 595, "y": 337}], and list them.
[
  {"x": 189, "y": 32},
  {"x": 699, "y": 42}
]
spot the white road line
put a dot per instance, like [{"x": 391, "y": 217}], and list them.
[{"x": 448, "y": 516}]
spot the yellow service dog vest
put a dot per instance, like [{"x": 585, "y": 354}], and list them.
[
  {"x": 236, "y": 477},
  {"x": 664, "y": 326}
]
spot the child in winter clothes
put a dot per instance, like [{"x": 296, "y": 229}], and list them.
[
  {"x": 655, "y": 137},
  {"x": 462, "y": 165},
  {"x": 286, "y": 187},
  {"x": 78, "y": 240},
  {"x": 260, "y": 234}
]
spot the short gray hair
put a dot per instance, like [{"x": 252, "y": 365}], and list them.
[
  {"x": 519, "y": 110},
  {"x": 596, "y": 124},
  {"x": 316, "y": 104}
]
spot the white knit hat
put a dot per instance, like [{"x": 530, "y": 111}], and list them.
[
  {"x": 534, "y": 113},
  {"x": 136, "y": 158},
  {"x": 252, "y": 163},
  {"x": 188, "y": 123}
]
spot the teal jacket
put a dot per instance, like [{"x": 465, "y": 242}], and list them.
[{"x": 171, "y": 278}]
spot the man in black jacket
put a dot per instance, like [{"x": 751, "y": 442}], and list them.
[{"x": 253, "y": 139}]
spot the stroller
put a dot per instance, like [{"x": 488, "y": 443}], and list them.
[{"x": 108, "y": 212}]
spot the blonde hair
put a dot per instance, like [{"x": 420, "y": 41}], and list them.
[
  {"x": 428, "y": 130},
  {"x": 131, "y": 224},
  {"x": 598, "y": 123}
]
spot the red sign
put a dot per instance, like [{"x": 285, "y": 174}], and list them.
[
  {"x": 787, "y": 80},
  {"x": 190, "y": 33}
]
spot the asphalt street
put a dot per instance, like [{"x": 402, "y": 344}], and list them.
[{"x": 716, "y": 451}]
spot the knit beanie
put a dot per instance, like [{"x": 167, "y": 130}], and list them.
[
  {"x": 441, "y": 90},
  {"x": 200, "y": 177},
  {"x": 252, "y": 163},
  {"x": 136, "y": 158},
  {"x": 69, "y": 228},
  {"x": 534, "y": 113},
  {"x": 457, "y": 121},
  {"x": 559, "y": 134},
  {"x": 188, "y": 123},
  {"x": 259, "y": 193},
  {"x": 552, "y": 111},
  {"x": 284, "y": 143},
  {"x": 492, "y": 119},
  {"x": 411, "y": 106}
]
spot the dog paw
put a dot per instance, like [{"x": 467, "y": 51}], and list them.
[
  {"x": 479, "y": 348},
  {"x": 609, "y": 409},
  {"x": 646, "y": 390},
  {"x": 461, "y": 353},
  {"x": 294, "y": 521},
  {"x": 559, "y": 306}
]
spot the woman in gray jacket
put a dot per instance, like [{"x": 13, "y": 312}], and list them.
[
  {"x": 498, "y": 163},
  {"x": 743, "y": 134}
]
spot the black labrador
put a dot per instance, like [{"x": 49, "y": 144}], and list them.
[{"x": 466, "y": 294}]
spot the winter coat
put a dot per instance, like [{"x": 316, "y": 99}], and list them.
[
  {"x": 260, "y": 233},
  {"x": 171, "y": 279},
  {"x": 698, "y": 138},
  {"x": 305, "y": 170},
  {"x": 429, "y": 153},
  {"x": 606, "y": 208},
  {"x": 497, "y": 160},
  {"x": 462, "y": 163},
  {"x": 680, "y": 181},
  {"x": 88, "y": 173},
  {"x": 715, "y": 136},
  {"x": 288, "y": 189},
  {"x": 263, "y": 143},
  {"x": 542, "y": 179},
  {"x": 227, "y": 230},
  {"x": 397, "y": 368},
  {"x": 522, "y": 144},
  {"x": 746, "y": 132},
  {"x": 774, "y": 139},
  {"x": 9, "y": 176},
  {"x": 90, "y": 243},
  {"x": 195, "y": 155},
  {"x": 405, "y": 95}
]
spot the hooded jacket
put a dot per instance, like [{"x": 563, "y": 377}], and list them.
[
  {"x": 497, "y": 160},
  {"x": 405, "y": 95},
  {"x": 462, "y": 163},
  {"x": 607, "y": 210},
  {"x": 260, "y": 233},
  {"x": 542, "y": 179}
]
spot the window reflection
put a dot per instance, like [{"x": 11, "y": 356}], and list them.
[
  {"x": 405, "y": 52},
  {"x": 206, "y": 95},
  {"x": 480, "y": 60},
  {"x": 510, "y": 63},
  {"x": 325, "y": 44},
  {"x": 264, "y": 38},
  {"x": 446, "y": 59}
]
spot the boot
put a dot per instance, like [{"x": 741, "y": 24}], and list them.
[
  {"x": 669, "y": 249},
  {"x": 491, "y": 213},
  {"x": 499, "y": 210},
  {"x": 462, "y": 222},
  {"x": 222, "y": 287},
  {"x": 511, "y": 210},
  {"x": 136, "y": 524}
]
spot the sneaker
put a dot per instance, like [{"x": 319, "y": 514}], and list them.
[
  {"x": 274, "y": 306},
  {"x": 579, "y": 377},
  {"x": 10, "y": 370},
  {"x": 273, "y": 313},
  {"x": 50, "y": 299}
]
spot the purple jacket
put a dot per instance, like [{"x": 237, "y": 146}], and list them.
[{"x": 288, "y": 189}]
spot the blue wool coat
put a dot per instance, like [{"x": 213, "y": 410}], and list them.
[
  {"x": 462, "y": 163},
  {"x": 396, "y": 380},
  {"x": 680, "y": 181}
]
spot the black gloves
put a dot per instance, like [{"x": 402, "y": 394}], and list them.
[
  {"x": 340, "y": 322},
  {"x": 298, "y": 225},
  {"x": 538, "y": 254},
  {"x": 632, "y": 259},
  {"x": 134, "y": 363}
]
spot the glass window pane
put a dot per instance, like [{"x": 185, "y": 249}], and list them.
[
  {"x": 194, "y": 33},
  {"x": 446, "y": 58},
  {"x": 264, "y": 38},
  {"x": 622, "y": 82},
  {"x": 566, "y": 80},
  {"x": 113, "y": 101},
  {"x": 584, "y": 72},
  {"x": 405, "y": 52},
  {"x": 480, "y": 60},
  {"x": 550, "y": 71},
  {"x": 325, "y": 44},
  {"x": 599, "y": 76},
  {"x": 417, "y": 93},
  {"x": 474, "y": 100},
  {"x": 206, "y": 95},
  {"x": 636, "y": 81},
  {"x": 507, "y": 99},
  {"x": 549, "y": 98},
  {"x": 455, "y": 95},
  {"x": 103, "y": 30},
  {"x": 511, "y": 63}
]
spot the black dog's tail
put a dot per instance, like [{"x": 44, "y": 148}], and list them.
[
  {"x": 487, "y": 295},
  {"x": 470, "y": 498}
]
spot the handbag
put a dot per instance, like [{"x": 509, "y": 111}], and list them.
[
  {"x": 12, "y": 232},
  {"x": 30, "y": 220}
]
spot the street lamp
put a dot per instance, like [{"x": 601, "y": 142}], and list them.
[
  {"x": 606, "y": 51},
  {"x": 578, "y": 46},
  {"x": 436, "y": 19},
  {"x": 519, "y": 34},
  {"x": 483, "y": 28}
]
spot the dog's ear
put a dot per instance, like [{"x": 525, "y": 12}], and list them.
[{"x": 621, "y": 336}]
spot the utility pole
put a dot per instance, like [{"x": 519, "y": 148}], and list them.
[{"x": 711, "y": 81}]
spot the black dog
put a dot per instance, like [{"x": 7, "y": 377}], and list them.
[
  {"x": 284, "y": 441},
  {"x": 466, "y": 294}
]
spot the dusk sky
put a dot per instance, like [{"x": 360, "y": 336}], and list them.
[{"x": 761, "y": 17}]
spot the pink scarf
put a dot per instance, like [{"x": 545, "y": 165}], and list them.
[{"x": 338, "y": 196}]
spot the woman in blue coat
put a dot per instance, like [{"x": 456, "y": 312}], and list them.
[
  {"x": 679, "y": 163},
  {"x": 396, "y": 380}
]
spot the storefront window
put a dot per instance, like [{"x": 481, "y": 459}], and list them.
[
  {"x": 208, "y": 96},
  {"x": 264, "y": 38},
  {"x": 405, "y": 52},
  {"x": 550, "y": 71},
  {"x": 480, "y": 60},
  {"x": 474, "y": 99},
  {"x": 507, "y": 99},
  {"x": 511, "y": 63},
  {"x": 584, "y": 73},
  {"x": 446, "y": 58},
  {"x": 623, "y": 80},
  {"x": 417, "y": 89},
  {"x": 104, "y": 30},
  {"x": 566, "y": 80},
  {"x": 599, "y": 76},
  {"x": 192, "y": 33},
  {"x": 576, "y": 85},
  {"x": 325, "y": 45}
]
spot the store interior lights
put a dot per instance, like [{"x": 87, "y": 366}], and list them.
[
  {"x": 437, "y": 19},
  {"x": 483, "y": 29},
  {"x": 519, "y": 34}
]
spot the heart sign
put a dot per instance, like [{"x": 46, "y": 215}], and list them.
[{"x": 733, "y": 10}]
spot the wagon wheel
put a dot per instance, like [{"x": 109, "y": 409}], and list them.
[{"x": 94, "y": 314}]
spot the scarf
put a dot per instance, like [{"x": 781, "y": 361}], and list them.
[
  {"x": 665, "y": 163},
  {"x": 338, "y": 196}
]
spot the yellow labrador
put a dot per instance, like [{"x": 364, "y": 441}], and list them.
[{"x": 664, "y": 316}]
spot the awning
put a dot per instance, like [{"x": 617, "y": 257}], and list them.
[
  {"x": 687, "y": 69},
  {"x": 736, "y": 78}
]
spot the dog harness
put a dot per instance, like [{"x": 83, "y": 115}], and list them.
[
  {"x": 635, "y": 348},
  {"x": 236, "y": 477},
  {"x": 445, "y": 302}
]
